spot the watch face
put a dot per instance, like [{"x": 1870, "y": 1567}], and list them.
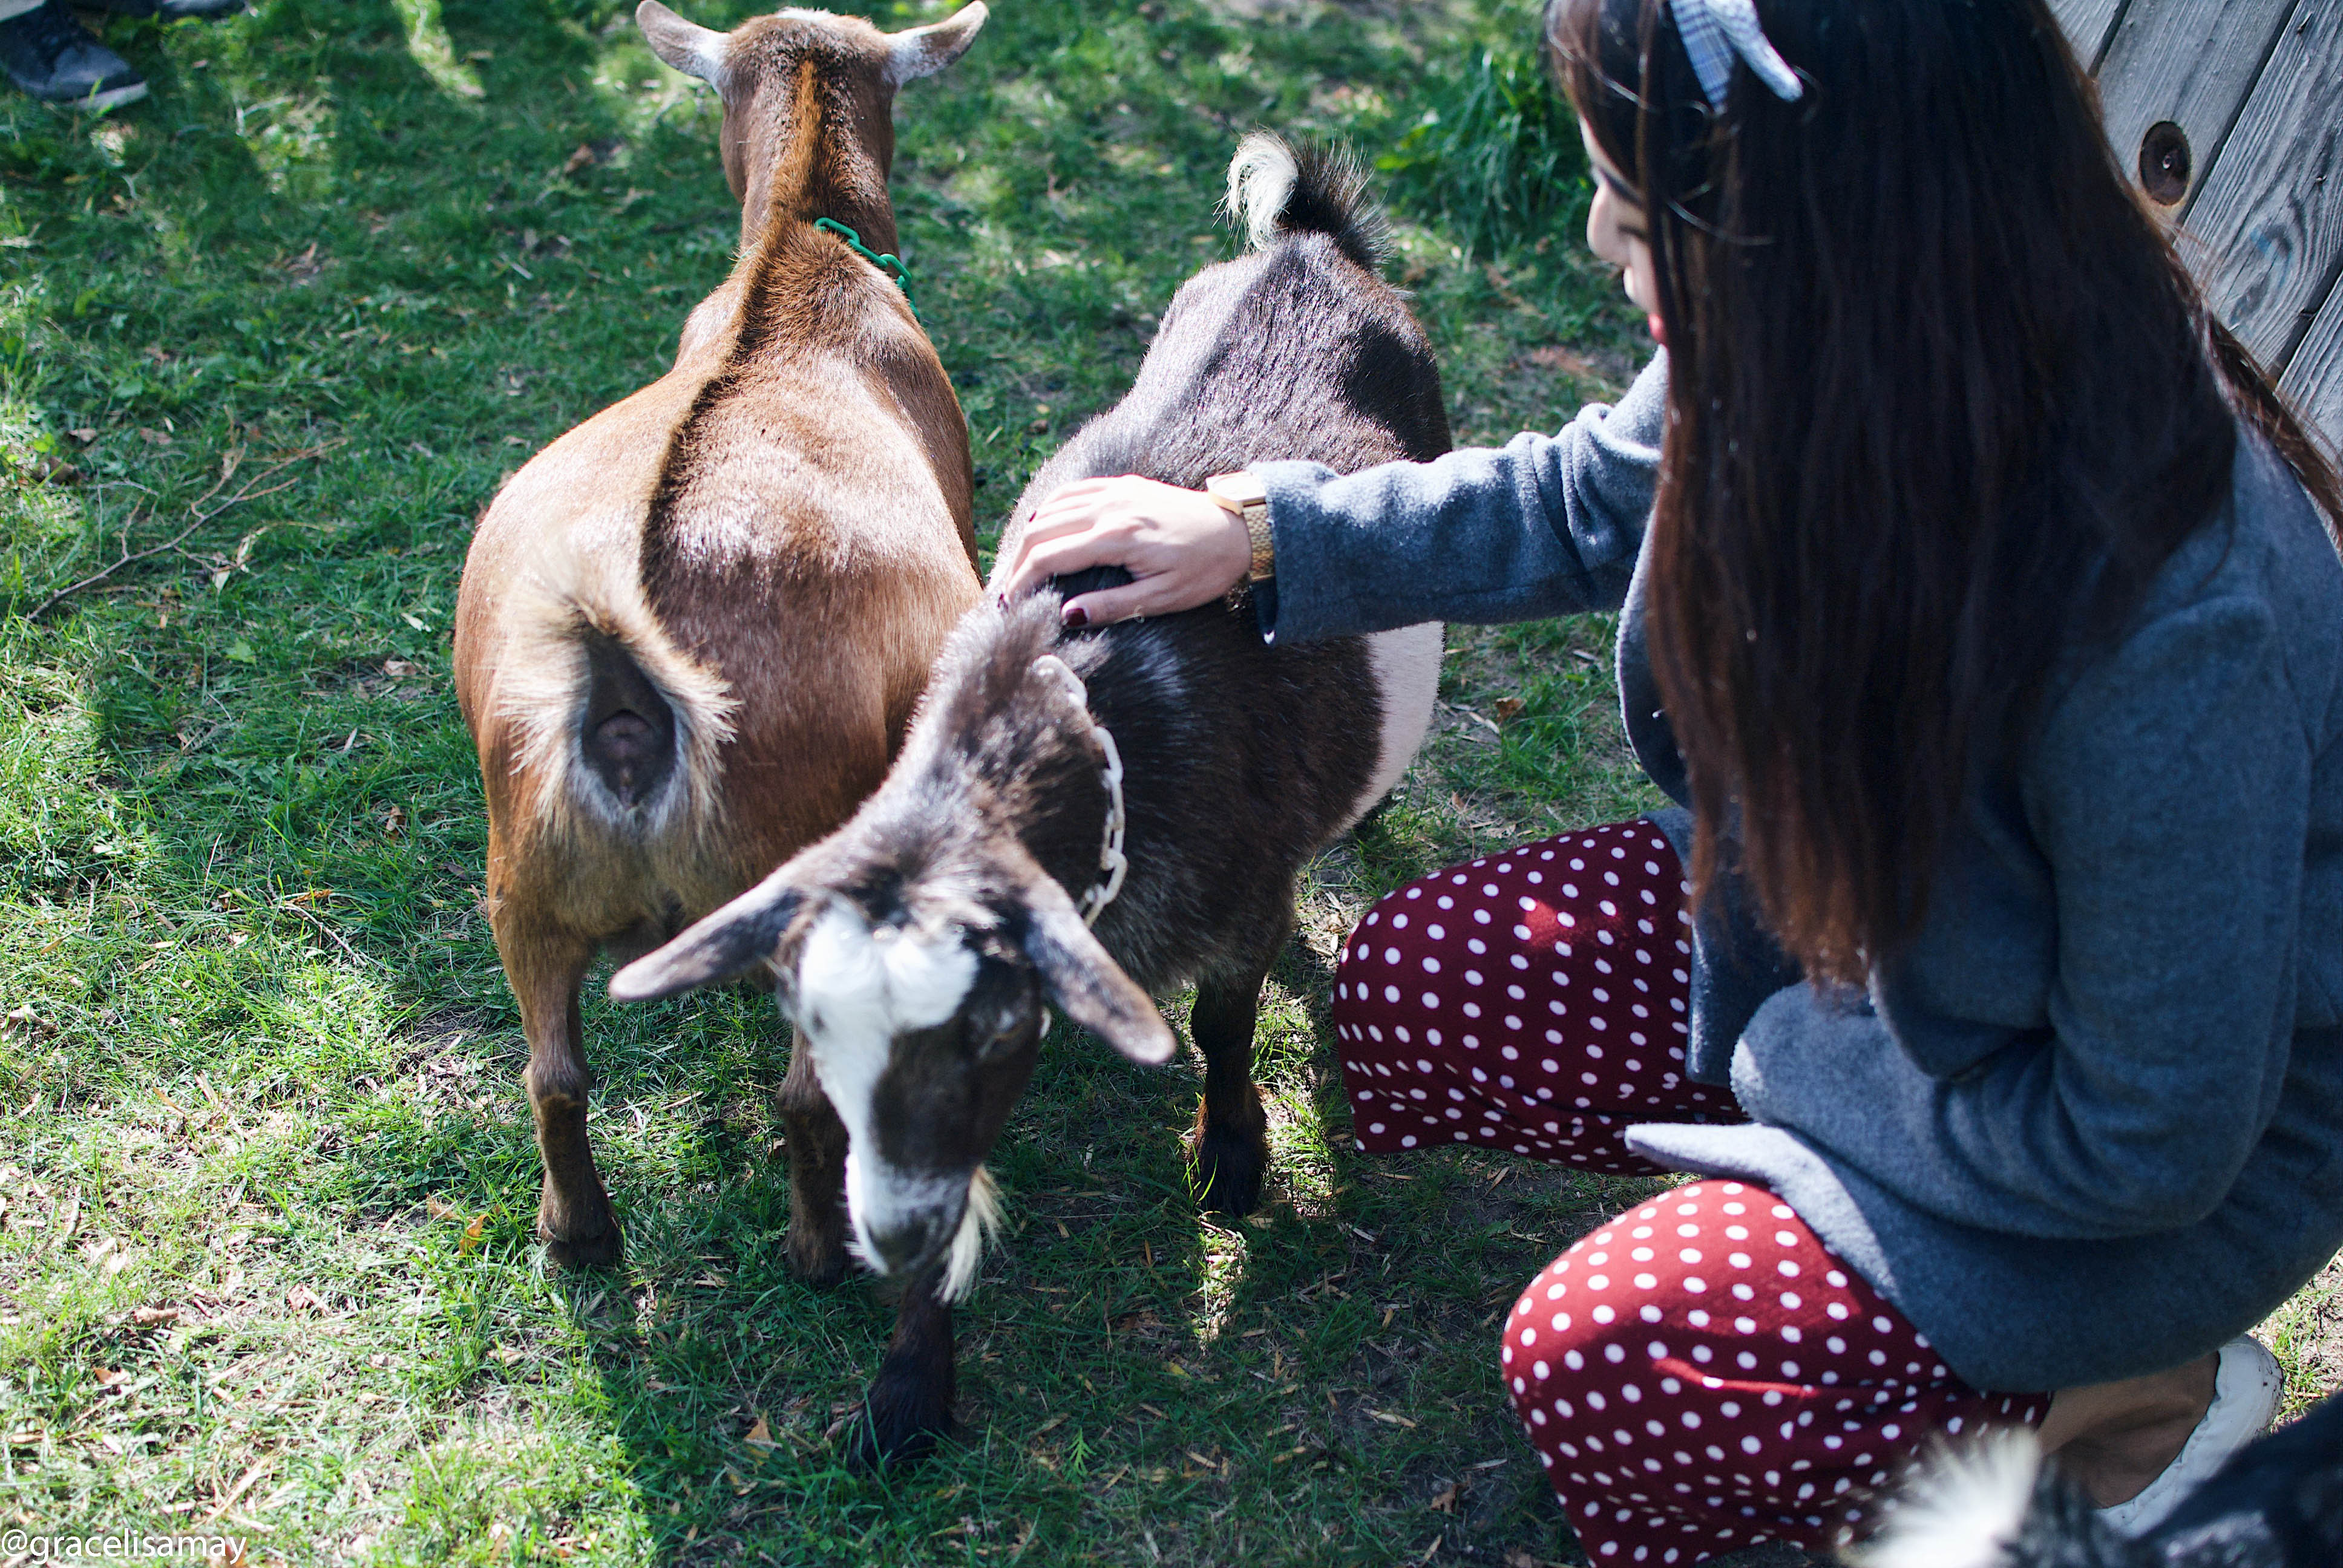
[{"x": 1237, "y": 490}]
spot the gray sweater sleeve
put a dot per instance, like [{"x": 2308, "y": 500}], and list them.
[
  {"x": 1542, "y": 525},
  {"x": 2167, "y": 793}
]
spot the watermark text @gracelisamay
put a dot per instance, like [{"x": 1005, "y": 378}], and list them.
[{"x": 22, "y": 1546}]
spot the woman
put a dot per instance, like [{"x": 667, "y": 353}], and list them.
[{"x": 1989, "y": 622}]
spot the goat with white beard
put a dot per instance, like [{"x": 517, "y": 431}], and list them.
[{"x": 1164, "y": 779}]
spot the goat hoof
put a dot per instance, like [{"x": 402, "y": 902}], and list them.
[
  {"x": 895, "y": 1427},
  {"x": 574, "y": 1253},
  {"x": 1230, "y": 1166},
  {"x": 820, "y": 1265}
]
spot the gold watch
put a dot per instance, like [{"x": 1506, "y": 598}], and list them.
[{"x": 1243, "y": 496}]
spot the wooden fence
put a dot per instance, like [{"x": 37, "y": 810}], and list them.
[{"x": 2229, "y": 114}]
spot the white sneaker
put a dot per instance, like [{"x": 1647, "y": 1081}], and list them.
[{"x": 2246, "y": 1388}]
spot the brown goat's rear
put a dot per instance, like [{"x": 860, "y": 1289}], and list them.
[{"x": 692, "y": 630}]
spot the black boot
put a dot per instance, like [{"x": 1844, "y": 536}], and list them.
[{"x": 50, "y": 55}]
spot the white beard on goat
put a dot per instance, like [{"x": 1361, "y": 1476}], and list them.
[{"x": 857, "y": 990}]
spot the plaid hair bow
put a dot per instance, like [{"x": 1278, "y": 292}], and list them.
[{"x": 1714, "y": 31}]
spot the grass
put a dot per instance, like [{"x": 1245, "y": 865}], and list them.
[{"x": 266, "y": 1197}]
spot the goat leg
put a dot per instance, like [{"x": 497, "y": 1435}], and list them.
[
  {"x": 817, "y": 1145},
  {"x": 1231, "y": 1135},
  {"x": 909, "y": 1404},
  {"x": 573, "y": 1212}
]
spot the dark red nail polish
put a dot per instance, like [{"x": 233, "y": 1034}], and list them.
[
  {"x": 1000, "y": 601},
  {"x": 1076, "y": 615}
]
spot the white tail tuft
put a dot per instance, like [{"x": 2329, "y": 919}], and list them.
[
  {"x": 1261, "y": 182},
  {"x": 1962, "y": 1508},
  {"x": 978, "y": 1223},
  {"x": 555, "y": 605},
  {"x": 1279, "y": 190}
]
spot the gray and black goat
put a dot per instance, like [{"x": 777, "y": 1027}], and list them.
[
  {"x": 2278, "y": 1504},
  {"x": 1088, "y": 818}
]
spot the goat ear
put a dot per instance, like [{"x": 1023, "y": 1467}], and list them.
[
  {"x": 924, "y": 51},
  {"x": 694, "y": 50},
  {"x": 1083, "y": 978},
  {"x": 735, "y": 938}
]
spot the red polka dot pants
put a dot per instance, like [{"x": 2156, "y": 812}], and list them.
[
  {"x": 1702, "y": 1374},
  {"x": 1533, "y": 1001}
]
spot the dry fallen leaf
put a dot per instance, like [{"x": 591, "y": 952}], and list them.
[
  {"x": 472, "y": 1235},
  {"x": 760, "y": 1434},
  {"x": 227, "y": 567},
  {"x": 85, "y": 436},
  {"x": 399, "y": 669},
  {"x": 153, "y": 1317},
  {"x": 438, "y": 1207},
  {"x": 68, "y": 1216},
  {"x": 1554, "y": 357},
  {"x": 1505, "y": 708},
  {"x": 152, "y": 438},
  {"x": 589, "y": 154},
  {"x": 394, "y": 822},
  {"x": 1444, "y": 1500},
  {"x": 302, "y": 1298}
]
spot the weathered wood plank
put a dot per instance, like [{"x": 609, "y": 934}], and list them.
[
  {"x": 2086, "y": 23},
  {"x": 2314, "y": 380},
  {"x": 2270, "y": 212},
  {"x": 2188, "y": 63}
]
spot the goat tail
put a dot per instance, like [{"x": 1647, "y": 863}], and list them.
[
  {"x": 617, "y": 727},
  {"x": 1278, "y": 188}
]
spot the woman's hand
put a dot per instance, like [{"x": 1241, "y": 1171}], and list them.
[{"x": 1181, "y": 547}]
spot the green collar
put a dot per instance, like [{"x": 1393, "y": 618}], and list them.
[{"x": 891, "y": 265}]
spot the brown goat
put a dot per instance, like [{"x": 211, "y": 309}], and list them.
[{"x": 691, "y": 631}]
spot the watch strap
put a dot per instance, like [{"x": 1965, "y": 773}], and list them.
[{"x": 1244, "y": 496}]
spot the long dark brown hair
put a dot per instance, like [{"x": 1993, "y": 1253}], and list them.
[{"x": 1942, "y": 400}]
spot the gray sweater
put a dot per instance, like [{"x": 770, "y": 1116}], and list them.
[{"x": 2092, "y": 1124}]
